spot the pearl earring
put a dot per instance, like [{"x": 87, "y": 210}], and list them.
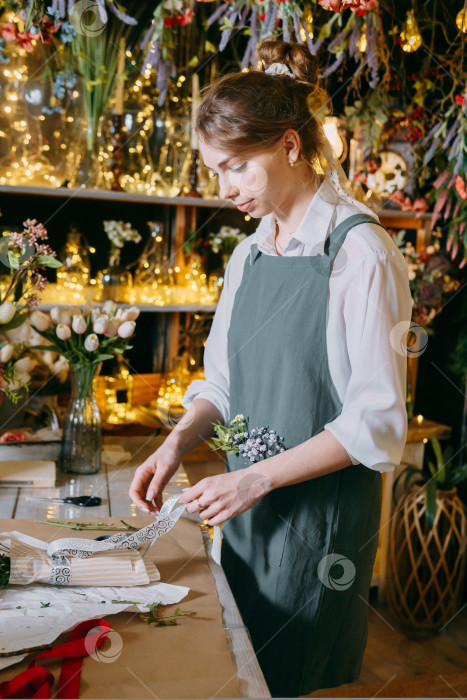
[{"x": 292, "y": 163}]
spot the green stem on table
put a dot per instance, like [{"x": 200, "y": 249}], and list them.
[{"x": 88, "y": 525}]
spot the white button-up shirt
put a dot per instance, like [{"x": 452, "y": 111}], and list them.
[{"x": 368, "y": 297}]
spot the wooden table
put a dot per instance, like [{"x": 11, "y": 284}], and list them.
[{"x": 112, "y": 484}]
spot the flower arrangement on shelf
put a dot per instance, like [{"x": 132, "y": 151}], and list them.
[
  {"x": 225, "y": 241},
  {"x": 195, "y": 245},
  {"x": 115, "y": 281},
  {"x": 23, "y": 258},
  {"x": 419, "y": 205},
  {"x": 255, "y": 444},
  {"x": 432, "y": 276},
  {"x": 119, "y": 233}
]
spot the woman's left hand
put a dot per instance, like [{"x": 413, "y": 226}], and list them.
[{"x": 218, "y": 498}]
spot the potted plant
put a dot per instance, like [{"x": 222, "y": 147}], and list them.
[{"x": 427, "y": 548}]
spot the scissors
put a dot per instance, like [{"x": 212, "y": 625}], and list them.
[{"x": 86, "y": 501}]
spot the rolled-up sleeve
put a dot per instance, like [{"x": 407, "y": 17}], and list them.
[
  {"x": 372, "y": 425},
  {"x": 215, "y": 388}
]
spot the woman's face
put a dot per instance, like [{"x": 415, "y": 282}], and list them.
[{"x": 253, "y": 181}]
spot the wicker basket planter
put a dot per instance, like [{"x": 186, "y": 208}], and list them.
[{"x": 426, "y": 567}]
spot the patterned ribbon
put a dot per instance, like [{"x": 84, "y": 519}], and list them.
[{"x": 60, "y": 574}]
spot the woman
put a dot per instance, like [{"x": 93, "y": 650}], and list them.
[{"x": 307, "y": 340}]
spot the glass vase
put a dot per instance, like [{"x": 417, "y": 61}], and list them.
[
  {"x": 81, "y": 437},
  {"x": 115, "y": 281}
]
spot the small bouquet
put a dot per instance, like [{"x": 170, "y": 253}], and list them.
[
  {"x": 255, "y": 444},
  {"x": 119, "y": 233},
  {"x": 226, "y": 240}
]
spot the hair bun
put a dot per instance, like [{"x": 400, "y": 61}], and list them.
[{"x": 295, "y": 56}]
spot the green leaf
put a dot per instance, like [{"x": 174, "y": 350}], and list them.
[
  {"x": 432, "y": 468},
  {"x": 13, "y": 260},
  {"x": 459, "y": 475},
  {"x": 193, "y": 61},
  {"x": 437, "y": 450},
  {"x": 227, "y": 24},
  {"x": 15, "y": 322},
  {"x": 48, "y": 261},
  {"x": 101, "y": 358},
  {"x": 409, "y": 471},
  {"x": 43, "y": 347},
  {"x": 45, "y": 605},
  {"x": 209, "y": 47}
]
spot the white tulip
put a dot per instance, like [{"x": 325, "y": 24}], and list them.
[
  {"x": 122, "y": 315},
  {"x": 6, "y": 353},
  {"x": 60, "y": 369},
  {"x": 79, "y": 324},
  {"x": 65, "y": 317},
  {"x": 109, "y": 307},
  {"x": 100, "y": 324},
  {"x": 55, "y": 314},
  {"x": 48, "y": 357},
  {"x": 126, "y": 329},
  {"x": 7, "y": 311},
  {"x": 63, "y": 331},
  {"x": 25, "y": 364},
  {"x": 112, "y": 327},
  {"x": 91, "y": 342},
  {"x": 40, "y": 320},
  {"x": 87, "y": 309},
  {"x": 133, "y": 313}
]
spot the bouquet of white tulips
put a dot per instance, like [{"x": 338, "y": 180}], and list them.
[{"x": 89, "y": 336}]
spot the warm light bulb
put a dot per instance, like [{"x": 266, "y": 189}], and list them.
[
  {"x": 361, "y": 43},
  {"x": 461, "y": 20},
  {"x": 411, "y": 37}
]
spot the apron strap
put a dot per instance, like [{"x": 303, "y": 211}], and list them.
[{"x": 337, "y": 236}]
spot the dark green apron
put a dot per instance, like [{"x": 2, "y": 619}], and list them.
[{"x": 300, "y": 561}]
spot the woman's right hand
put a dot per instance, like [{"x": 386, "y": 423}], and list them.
[{"x": 152, "y": 476}]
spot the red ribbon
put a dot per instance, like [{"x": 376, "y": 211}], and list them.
[{"x": 37, "y": 682}]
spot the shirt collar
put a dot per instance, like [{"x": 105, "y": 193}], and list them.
[{"x": 312, "y": 230}]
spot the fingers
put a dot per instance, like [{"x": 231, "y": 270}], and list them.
[
  {"x": 218, "y": 519},
  {"x": 190, "y": 494},
  {"x": 139, "y": 487},
  {"x": 207, "y": 512},
  {"x": 135, "y": 495}
]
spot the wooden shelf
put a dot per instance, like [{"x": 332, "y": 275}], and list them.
[
  {"x": 107, "y": 195},
  {"x": 189, "y": 308},
  {"x": 398, "y": 214}
]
